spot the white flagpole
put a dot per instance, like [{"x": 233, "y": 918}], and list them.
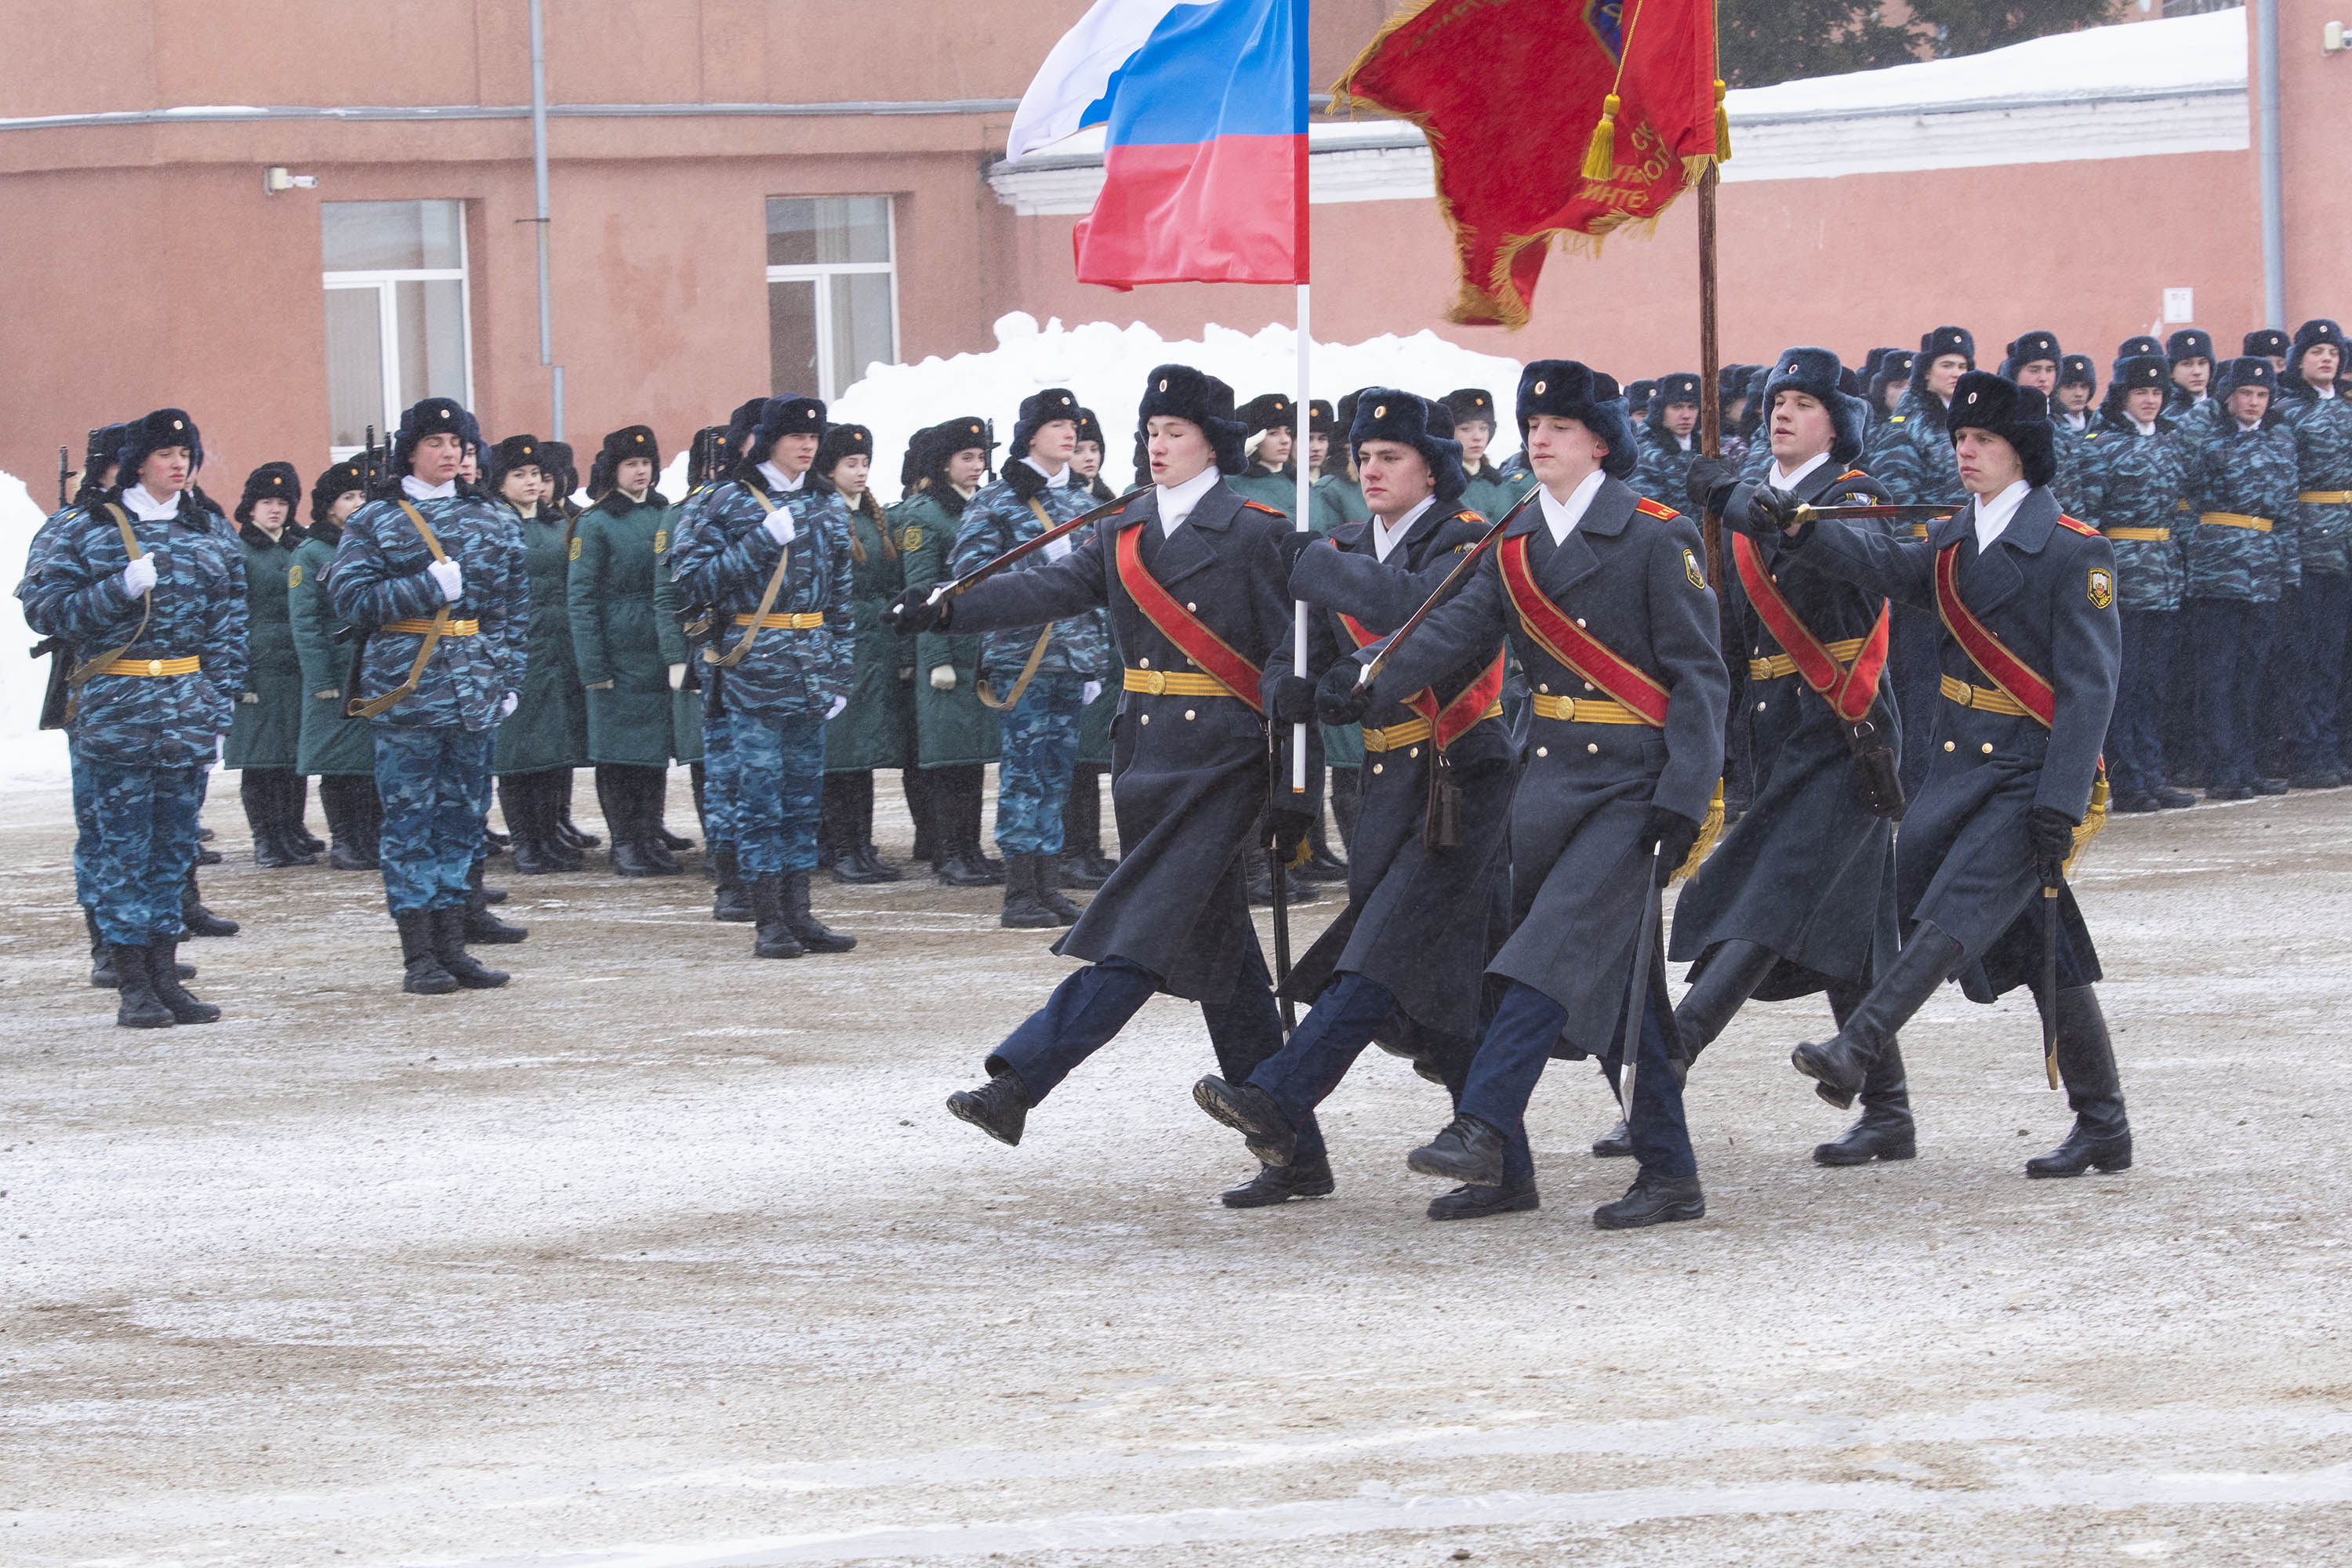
[{"x": 1300, "y": 421}]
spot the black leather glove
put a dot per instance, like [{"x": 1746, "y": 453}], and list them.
[
  {"x": 1769, "y": 510},
  {"x": 1294, "y": 700},
  {"x": 1293, "y": 545},
  {"x": 1707, "y": 476},
  {"x": 2051, "y": 832},
  {"x": 1671, "y": 834},
  {"x": 911, "y": 612},
  {"x": 1337, "y": 700},
  {"x": 1287, "y": 829}
]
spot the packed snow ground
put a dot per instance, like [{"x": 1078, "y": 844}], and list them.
[{"x": 663, "y": 1256}]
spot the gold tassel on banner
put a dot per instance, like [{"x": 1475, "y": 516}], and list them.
[
  {"x": 1722, "y": 126},
  {"x": 1601, "y": 157},
  {"x": 1709, "y": 830}
]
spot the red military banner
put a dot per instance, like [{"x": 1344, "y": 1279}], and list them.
[{"x": 1547, "y": 120}]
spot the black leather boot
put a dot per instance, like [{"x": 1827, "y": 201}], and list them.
[
  {"x": 1045, "y": 881},
  {"x": 567, "y": 830},
  {"x": 102, "y": 954},
  {"x": 298, "y": 807},
  {"x": 1885, "y": 1130},
  {"x": 424, "y": 975},
  {"x": 812, "y": 933},
  {"x": 1652, "y": 1200},
  {"x": 1734, "y": 970},
  {"x": 2101, "y": 1137},
  {"x": 137, "y": 1006},
  {"x": 1513, "y": 1197},
  {"x": 478, "y": 924},
  {"x": 1024, "y": 910},
  {"x": 522, "y": 796},
  {"x": 1252, "y": 1112},
  {"x": 449, "y": 939},
  {"x": 655, "y": 842},
  {"x": 1617, "y": 1144},
  {"x": 832, "y": 813},
  {"x": 728, "y": 901},
  {"x": 286, "y": 817},
  {"x": 197, "y": 919},
  {"x": 163, "y": 980},
  {"x": 619, "y": 804},
  {"x": 352, "y": 837},
  {"x": 1280, "y": 1183},
  {"x": 256, "y": 793},
  {"x": 999, "y": 1108},
  {"x": 915, "y": 784},
  {"x": 1841, "y": 1065},
  {"x": 1468, "y": 1150},
  {"x": 770, "y": 936}
]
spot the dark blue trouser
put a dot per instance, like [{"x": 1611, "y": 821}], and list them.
[
  {"x": 146, "y": 825},
  {"x": 1914, "y": 664},
  {"x": 1518, "y": 1042},
  {"x": 2310, "y": 669},
  {"x": 1032, "y": 772},
  {"x": 1092, "y": 1004},
  {"x": 779, "y": 791},
  {"x": 1302, "y": 1075},
  {"x": 2135, "y": 746},
  {"x": 2233, "y": 640},
  {"x": 434, "y": 782}
]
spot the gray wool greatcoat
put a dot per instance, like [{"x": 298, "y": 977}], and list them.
[
  {"x": 1423, "y": 922},
  {"x": 1188, "y": 772},
  {"x": 1579, "y": 880},
  {"x": 2047, "y": 589}
]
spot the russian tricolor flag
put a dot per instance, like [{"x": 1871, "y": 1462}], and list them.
[{"x": 1204, "y": 103}]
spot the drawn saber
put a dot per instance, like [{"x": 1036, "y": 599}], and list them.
[{"x": 991, "y": 568}]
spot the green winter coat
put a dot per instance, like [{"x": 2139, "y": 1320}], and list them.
[
  {"x": 549, "y": 728},
  {"x": 1491, "y": 492},
  {"x": 685, "y": 703},
  {"x": 952, "y": 728},
  {"x": 331, "y": 744},
  {"x": 613, "y": 639},
  {"x": 1269, "y": 487},
  {"x": 878, "y": 729},
  {"x": 267, "y": 731}
]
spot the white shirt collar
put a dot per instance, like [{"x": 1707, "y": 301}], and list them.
[
  {"x": 1784, "y": 481},
  {"x": 416, "y": 489},
  {"x": 776, "y": 480},
  {"x": 1059, "y": 481},
  {"x": 146, "y": 507},
  {"x": 1684, "y": 442},
  {"x": 2326, "y": 391},
  {"x": 1385, "y": 538},
  {"x": 2147, "y": 427},
  {"x": 1562, "y": 516},
  {"x": 1993, "y": 516},
  {"x": 1177, "y": 502}
]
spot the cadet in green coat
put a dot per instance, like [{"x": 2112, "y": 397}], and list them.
[
  {"x": 1083, "y": 863},
  {"x": 878, "y": 729},
  {"x": 1271, "y": 478},
  {"x": 956, "y": 735},
  {"x": 1491, "y": 492},
  {"x": 546, "y": 736},
  {"x": 264, "y": 737},
  {"x": 335, "y": 749}
]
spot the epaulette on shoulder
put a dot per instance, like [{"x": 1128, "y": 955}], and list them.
[
  {"x": 1853, "y": 474},
  {"x": 1470, "y": 515},
  {"x": 1897, "y": 419},
  {"x": 2084, "y": 529},
  {"x": 1261, "y": 506},
  {"x": 1655, "y": 509}
]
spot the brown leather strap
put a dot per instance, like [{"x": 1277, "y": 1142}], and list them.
[
  {"x": 987, "y": 693},
  {"x": 736, "y": 654},
  {"x": 82, "y": 673},
  {"x": 369, "y": 707}
]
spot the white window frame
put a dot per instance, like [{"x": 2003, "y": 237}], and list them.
[
  {"x": 382, "y": 281},
  {"x": 828, "y": 370}
]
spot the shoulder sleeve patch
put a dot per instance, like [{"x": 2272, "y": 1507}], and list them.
[
  {"x": 1691, "y": 570},
  {"x": 575, "y": 547},
  {"x": 912, "y": 538},
  {"x": 2082, "y": 528},
  {"x": 294, "y": 575},
  {"x": 661, "y": 542},
  {"x": 1649, "y": 508},
  {"x": 2101, "y": 588}
]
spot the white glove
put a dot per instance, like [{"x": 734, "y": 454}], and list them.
[
  {"x": 139, "y": 577},
  {"x": 513, "y": 701},
  {"x": 943, "y": 678},
  {"x": 834, "y": 711},
  {"x": 1093, "y": 689},
  {"x": 779, "y": 526},
  {"x": 451, "y": 577},
  {"x": 678, "y": 677}
]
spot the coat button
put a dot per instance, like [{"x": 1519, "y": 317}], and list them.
[
  {"x": 1193, "y": 607},
  {"x": 1414, "y": 753},
  {"x": 1143, "y": 664},
  {"x": 1377, "y": 766},
  {"x": 1949, "y": 745},
  {"x": 1588, "y": 686},
  {"x": 1543, "y": 750},
  {"x": 1188, "y": 713},
  {"x": 1761, "y": 707},
  {"x": 1143, "y": 717},
  {"x": 1987, "y": 748},
  {"x": 1546, "y": 687},
  {"x": 1593, "y": 747},
  {"x": 1579, "y": 620}
]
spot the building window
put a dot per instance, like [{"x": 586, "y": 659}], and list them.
[
  {"x": 397, "y": 312},
  {"x": 832, "y": 292}
]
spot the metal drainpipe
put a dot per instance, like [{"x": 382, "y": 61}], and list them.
[
  {"x": 2266, "y": 59},
  {"x": 539, "y": 180}
]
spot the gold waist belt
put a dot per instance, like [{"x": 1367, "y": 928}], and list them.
[
  {"x": 1984, "y": 699},
  {"x": 2142, "y": 535},
  {"x": 1411, "y": 732},
  {"x": 1586, "y": 710},
  {"x": 2326, "y": 498},
  {"x": 2235, "y": 519},
  {"x": 419, "y": 627},
  {"x": 799, "y": 621},
  {"x": 1780, "y": 664},
  {"x": 1160, "y": 683},
  {"x": 187, "y": 666}
]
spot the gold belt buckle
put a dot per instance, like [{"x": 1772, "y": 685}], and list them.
[
  {"x": 154, "y": 666},
  {"x": 1155, "y": 681}
]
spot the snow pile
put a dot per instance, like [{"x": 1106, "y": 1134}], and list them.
[
  {"x": 29, "y": 755},
  {"x": 1106, "y": 366}
]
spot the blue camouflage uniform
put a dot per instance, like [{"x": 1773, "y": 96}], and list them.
[
  {"x": 2127, "y": 486},
  {"x": 776, "y": 698},
  {"x": 1910, "y": 454},
  {"x": 433, "y": 748},
  {"x": 2243, "y": 556},
  {"x": 698, "y": 712},
  {"x": 141, "y": 741},
  {"x": 1040, "y": 730},
  {"x": 2312, "y": 666}
]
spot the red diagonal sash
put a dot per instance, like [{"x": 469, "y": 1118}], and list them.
[
  {"x": 1986, "y": 651},
  {"x": 1202, "y": 645},
  {"x": 1451, "y": 722},
  {"x": 1561, "y": 638},
  {"x": 1848, "y": 689}
]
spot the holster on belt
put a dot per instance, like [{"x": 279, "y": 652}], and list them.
[
  {"x": 1441, "y": 826},
  {"x": 1877, "y": 770}
]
